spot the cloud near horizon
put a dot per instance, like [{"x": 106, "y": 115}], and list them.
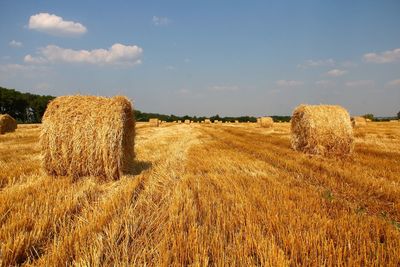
[
  {"x": 117, "y": 54},
  {"x": 55, "y": 25},
  {"x": 360, "y": 83},
  {"x": 393, "y": 83},
  {"x": 384, "y": 57},
  {"x": 288, "y": 83},
  {"x": 160, "y": 21},
  {"x": 316, "y": 63},
  {"x": 15, "y": 44},
  {"x": 335, "y": 73}
]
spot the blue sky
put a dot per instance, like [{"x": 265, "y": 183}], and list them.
[{"x": 207, "y": 57}]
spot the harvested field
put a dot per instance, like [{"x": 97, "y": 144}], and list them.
[{"x": 232, "y": 195}]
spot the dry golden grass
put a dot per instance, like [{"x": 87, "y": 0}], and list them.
[{"x": 234, "y": 195}]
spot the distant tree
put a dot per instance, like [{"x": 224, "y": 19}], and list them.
[
  {"x": 369, "y": 116},
  {"x": 398, "y": 115}
]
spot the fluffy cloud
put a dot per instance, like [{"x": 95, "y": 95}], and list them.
[
  {"x": 160, "y": 21},
  {"x": 384, "y": 57},
  {"x": 360, "y": 83},
  {"x": 117, "y": 54},
  {"x": 316, "y": 63},
  {"x": 15, "y": 44},
  {"x": 393, "y": 83},
  {"x": 335, "y": 73},
  {"x": 324, "y": 83},
  {"x": 55, "y": 25},
  {"x": 288, "y": 83},
  {"x": 224, "y": 88}
]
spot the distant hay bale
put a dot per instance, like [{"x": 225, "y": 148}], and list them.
[
  {"x": 236, "y": 121},
  {"x": 154, "y": 122},
  {"x": 207, "y": 121},
  {"x": 88, "y": 135},
  {"x": 187, "y": 121},
  {"x": 358, "y": 121},
  {"x": 368, "y": 120},
  {"x": 322, "y": 129},
  {"x": 179, "y": 121},
  {"x": 7, "y": 124},
  {"x": 266, "y": 122}
]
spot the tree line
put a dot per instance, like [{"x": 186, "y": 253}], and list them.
[
  {"x": 24, "y": 107},
  {"x": 29, "y": 108}
]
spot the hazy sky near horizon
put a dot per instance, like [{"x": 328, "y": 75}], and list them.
[{"x": 207, "y": 57}]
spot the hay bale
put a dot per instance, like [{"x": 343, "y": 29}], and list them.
[
  {"x": 236, "y": 121},
  {"x": 179, "y": 121},
  {"x": 322, "y": 129},
  {"x": 358, "y": 121},
  {"x": 187, "y": 121},
  {"x": 7, "y": 124},
  {"x": 266, "y": 122},
  {"x": 154, "y": 122},
  {"x": 368, "y": 120},
  {"x": 207, "y": 121},
  {"x": 88, "y": 135}
]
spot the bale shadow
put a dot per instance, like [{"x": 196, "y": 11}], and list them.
[{"x": 137, "y": 167}]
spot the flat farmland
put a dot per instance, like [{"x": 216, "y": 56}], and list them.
[{"x": 207, "y": 194}]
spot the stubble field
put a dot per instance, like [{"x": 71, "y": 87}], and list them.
[{"x": 220, "y": 195}]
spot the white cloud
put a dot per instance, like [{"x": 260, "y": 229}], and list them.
[
  {"x": 160, "y": 21},
  {"x": 316, "y": 63},
  {"x": 15, "y": 44},
  {"x": 55, "y": 25},
  {"x": 224, "y": 88},
  {"x": 393, "y": 83},
  {"x": 384, "y": 57},
  {"x": 288, "y": 83},
  {"x": 360, "y": 83},
  {"x": 170, "y": 67},
  {"x": 324, "y": 83},
  {"x": 34, "y": 60},
  {"x": 335, "y": 73},
  {"x": 117, "y": 54}
]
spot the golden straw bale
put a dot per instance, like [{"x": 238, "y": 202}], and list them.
[
  {"x": 88, "y": 135},
  {"x": 154, "y": 122},
  {"x": 7, "y": 124},
  {"x": 187, "y": 121},
  {"x": 322, "y": 129},
  {"x": 236, "y": 121},
  {"x": 368, "y": 120},
  {"x": 208, "y": 121},
  {"x": 179, "y": 121},
  {"x": 358, "y": 121},
  {"x": 266, "y": 122}
]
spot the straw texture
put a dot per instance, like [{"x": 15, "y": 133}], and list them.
[
  {"x": 88, "y": 135},
  {"x": 322, "y": 129}
]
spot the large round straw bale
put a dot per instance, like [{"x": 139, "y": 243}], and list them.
[
  {"x": 154, "y": 122},
  {"x": 187, "y": 121},
  {"x": 322, "y": 129},
  {"x": 88, "y": 135},
  {"x": 7, "y": 124},
  {"x": 208, "y": 121},
  {"x": 358, "y": 121},
  {"x": 266, "y": 122}
]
